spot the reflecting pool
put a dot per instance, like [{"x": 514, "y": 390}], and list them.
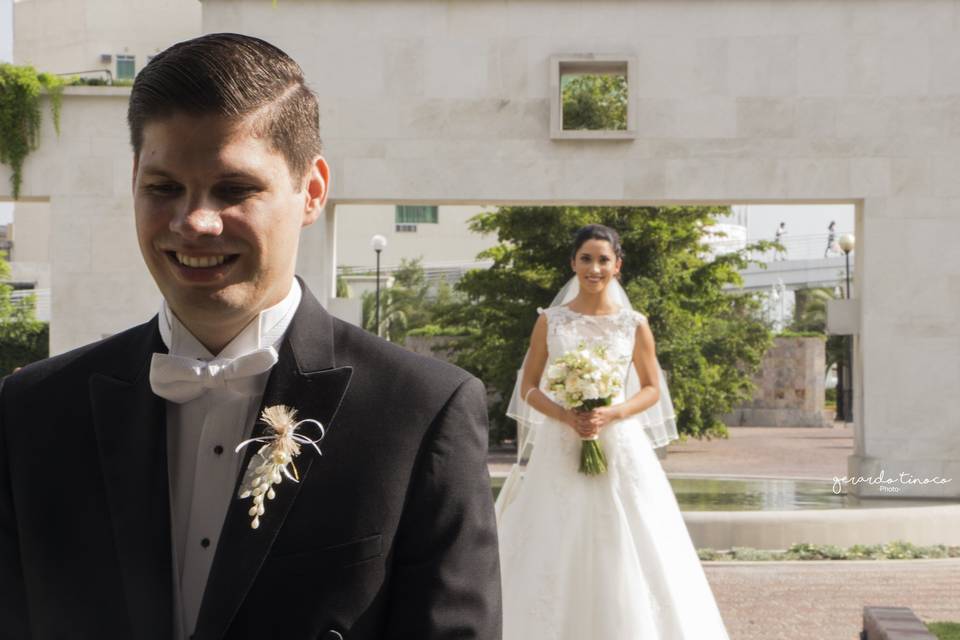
[{"x": 701, "y": 493}]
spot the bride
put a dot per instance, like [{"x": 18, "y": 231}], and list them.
[{"x": 597, "y": 557}]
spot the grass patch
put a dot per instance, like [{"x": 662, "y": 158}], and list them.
[
  {"x": 896, "y": 550},
  {"x": 945, "y": 630}
]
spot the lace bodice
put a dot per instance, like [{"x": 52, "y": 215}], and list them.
[{"x": 567, "y": 330}]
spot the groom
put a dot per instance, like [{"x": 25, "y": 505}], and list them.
[{"x": 119, "y": 508}]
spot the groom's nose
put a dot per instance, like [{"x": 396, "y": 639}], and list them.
[{"x": 197, "y": 218}]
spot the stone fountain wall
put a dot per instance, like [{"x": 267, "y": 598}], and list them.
[{"x": 790, "y": 387}]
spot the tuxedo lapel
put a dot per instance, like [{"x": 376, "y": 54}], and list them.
[
  {"x": 129, "y": 421},
  {"x": 306, "y": 379}
]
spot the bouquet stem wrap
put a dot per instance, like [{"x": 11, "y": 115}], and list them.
[{"x": 593, "y": 462}]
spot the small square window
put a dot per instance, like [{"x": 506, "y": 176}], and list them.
[
  {"x": 592, "y": 97},
  {"x": 416, "y": 214},
  {"x": 126, "y": 67}
]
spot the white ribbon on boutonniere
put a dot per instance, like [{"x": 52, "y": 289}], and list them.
[{"x": 268, "y": 466}]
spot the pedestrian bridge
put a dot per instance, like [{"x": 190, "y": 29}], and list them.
[
  {"x": 806, "y": 261},
  {"x": 796, "y": 274}
]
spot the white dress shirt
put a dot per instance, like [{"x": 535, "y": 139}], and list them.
[{"x": 202, "y": 465}]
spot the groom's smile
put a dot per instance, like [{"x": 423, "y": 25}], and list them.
[{"x": 218, "y": 216}]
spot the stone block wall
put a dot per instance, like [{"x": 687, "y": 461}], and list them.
[{"x": 790, "y": 387}]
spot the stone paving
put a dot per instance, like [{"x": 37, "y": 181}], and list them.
[
  {"x": 802, "y": 600},
  {"x": 812, "y": 600},
  {"x": 803, "y": 452}
]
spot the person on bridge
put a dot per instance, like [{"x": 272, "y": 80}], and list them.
[
  {"x": 780, "y": 252},
  {"x": 831, "y": 239}
]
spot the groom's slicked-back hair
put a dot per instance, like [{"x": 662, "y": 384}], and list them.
[{"x": 235, "y": 76}]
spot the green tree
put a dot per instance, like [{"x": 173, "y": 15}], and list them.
[
  {"x": 595, "y": 102},
  {"x": 709, "y": 342},
  {"x": 23, "y": 338},
  {"x": 343, "y": 289}
]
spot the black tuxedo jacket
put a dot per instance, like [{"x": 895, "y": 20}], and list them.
[{"x": 389, "y": 534}]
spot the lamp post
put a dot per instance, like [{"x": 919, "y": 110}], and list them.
[
  {"x": 782, "y": 298},
  {"x": 847, "y": 242},
  {"x": 379, "y": 243}
]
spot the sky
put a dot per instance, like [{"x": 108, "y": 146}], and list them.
[
  {"x": 762, "y": 220},
  {"x": 806, "y": 225}
]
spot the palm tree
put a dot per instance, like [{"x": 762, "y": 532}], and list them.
[
  {"x": 810, "y": 314},
  {"x": 403, "y": 306}
]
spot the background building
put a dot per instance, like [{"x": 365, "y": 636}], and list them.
[
  {"x": 438, "y": 235},
  {"x": 453, "y": 104},
  {"x": 99, "y": 38}
]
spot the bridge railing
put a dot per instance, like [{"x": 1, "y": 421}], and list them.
[{"x": 802, "y": 247}]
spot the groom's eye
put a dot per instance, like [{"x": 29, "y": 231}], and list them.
[
  {"x": 162, "y": 189},
  {"x": 235, "y": 192}
]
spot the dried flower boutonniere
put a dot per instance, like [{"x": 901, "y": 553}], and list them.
[{"x": 268, "y": 466}]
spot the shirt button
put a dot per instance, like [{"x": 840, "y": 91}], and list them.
[
  {"x": 218, "y": 449},
  {"x": 205, "y": 543}
]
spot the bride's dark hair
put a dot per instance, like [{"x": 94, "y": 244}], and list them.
[{"x": 597, "y": 232}]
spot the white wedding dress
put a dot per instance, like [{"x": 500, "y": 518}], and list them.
[{"x": 603, "y": 557}]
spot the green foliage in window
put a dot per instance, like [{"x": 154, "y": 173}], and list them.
[
  {"x": 20, "y": 117},
  {"x": 594, "y": 102}
]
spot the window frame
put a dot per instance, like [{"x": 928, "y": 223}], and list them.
[
  {"x": 589, "y": 63},
  {"x": 403, "y": 214},
  {"x": 126, "y": 58}
]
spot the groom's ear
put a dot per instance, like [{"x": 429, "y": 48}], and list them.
[{"x": 317, "y": 188}]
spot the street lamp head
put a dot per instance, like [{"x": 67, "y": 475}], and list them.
[
  {"x": 378, "y": 242},
  {"x": 846, "y": 242}
]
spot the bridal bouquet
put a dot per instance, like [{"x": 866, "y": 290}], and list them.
[{"x": 584, "y": 379}]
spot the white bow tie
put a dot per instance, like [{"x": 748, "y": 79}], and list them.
[{"x": 179, "y": 379}]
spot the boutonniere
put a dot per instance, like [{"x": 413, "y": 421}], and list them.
[{"x": 274, "y": 459}]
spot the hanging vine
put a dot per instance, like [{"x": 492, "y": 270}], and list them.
[{"x": 20, "y": 117}]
